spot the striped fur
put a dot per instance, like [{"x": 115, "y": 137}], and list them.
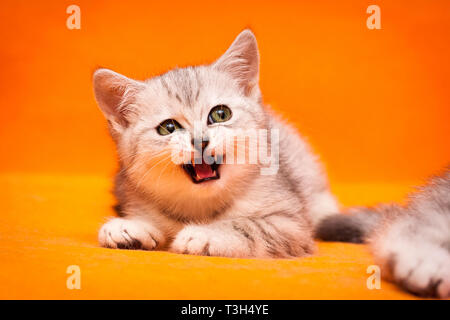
[{"x": 411, "y": 243}]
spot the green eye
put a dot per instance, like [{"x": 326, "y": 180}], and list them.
[
  {"x": 220, "y": 113},
  {"x": 168, "y": 126}
]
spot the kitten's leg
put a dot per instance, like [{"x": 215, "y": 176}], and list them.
[
  {"x": 415, "y": 255},
  {"x": 130, "y": 233},
  {"x": 321, "y": 205},
  {"x": 272, "y": 235}
]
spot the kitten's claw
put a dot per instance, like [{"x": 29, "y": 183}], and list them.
[
  {"x": 423, "y": 271},
  {"x": 122, "y": 233}
]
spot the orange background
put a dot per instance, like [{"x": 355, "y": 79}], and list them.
[{"x": 375, "y": 105}]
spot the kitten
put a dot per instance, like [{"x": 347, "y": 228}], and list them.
[
  {"x": 410, "y": 243},
  {"x": 218, "y": 208}
]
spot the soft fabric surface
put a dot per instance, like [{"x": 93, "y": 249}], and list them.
[{"x": 50, "y": 222}]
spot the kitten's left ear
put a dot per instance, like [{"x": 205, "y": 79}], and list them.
[
  {"x": 111, "y": 92},
  {"x": 241, "y": 61}
]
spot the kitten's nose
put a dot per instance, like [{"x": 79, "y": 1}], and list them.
[{"x": 199, "y": 143}]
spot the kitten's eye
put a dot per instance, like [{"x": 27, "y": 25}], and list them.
[
  {"x": 168, "y": 126},
  {"x": 220, "y": 113}
]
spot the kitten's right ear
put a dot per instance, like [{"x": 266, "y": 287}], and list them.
[{"x": 113, "y": 92}]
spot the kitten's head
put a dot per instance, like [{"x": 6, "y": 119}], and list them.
[{"x": 163, "y": 124}]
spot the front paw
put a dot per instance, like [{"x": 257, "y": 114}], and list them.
[
  {"x": 119, "y": 233},
  {"x": 422, "y": 271},
  {"x": 208, "y": 241}
]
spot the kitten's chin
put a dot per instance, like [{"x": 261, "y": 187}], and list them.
[
  {"x": 173, "y": 189},
  {"x": 174, "y": 182}
]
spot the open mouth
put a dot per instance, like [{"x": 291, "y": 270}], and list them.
[{"x": 201, "y": 172}]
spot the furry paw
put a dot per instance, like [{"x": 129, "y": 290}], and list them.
[
  {"x": 122, "y": 233},
  {"x": 424, "y": 271},
  {"x": 209, "y": 241}
]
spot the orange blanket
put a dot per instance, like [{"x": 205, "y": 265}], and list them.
[{"x": 49, "y": 223}]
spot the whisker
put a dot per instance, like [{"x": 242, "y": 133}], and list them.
[
  {"x": 149, "y": 170},
  {"x": 157, "y": 183}
]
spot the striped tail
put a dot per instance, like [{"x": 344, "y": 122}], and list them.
[{"x": 353, "y": 226}]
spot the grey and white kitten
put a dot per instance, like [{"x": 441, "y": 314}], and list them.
[
  {"x": 411, "y": 243},
  {"x": 223, "y": 210}
]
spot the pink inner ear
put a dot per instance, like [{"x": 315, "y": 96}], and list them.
[
  {"x": 241, "y": 60},
  {"x": 111, "y": 90}
]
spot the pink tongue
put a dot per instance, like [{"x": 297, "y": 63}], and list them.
[{"x": 204, "y": 171}]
